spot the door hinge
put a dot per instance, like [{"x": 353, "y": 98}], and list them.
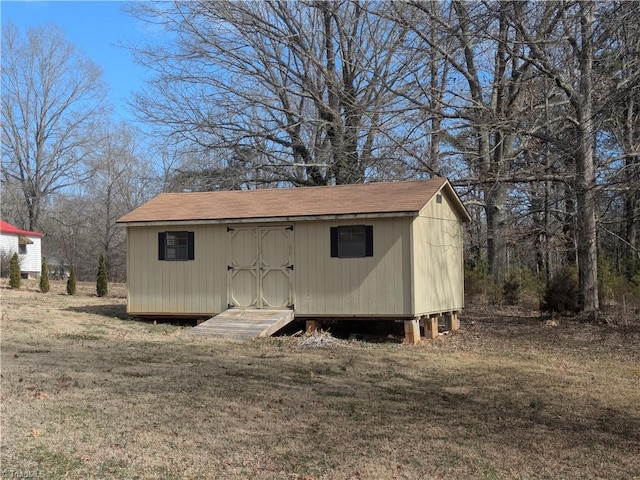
[
  {"x": 290, "y": 267},
  {"x": 229, "y": 229},
  {"x": 290, "y": 227},
  {"x": 230, "y": 267}
]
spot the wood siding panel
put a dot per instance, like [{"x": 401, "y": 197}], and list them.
[
  {"x": 178, "y": 287},
  {"x": 438, "y": 272},
  {"x": 377, "y": 285}
]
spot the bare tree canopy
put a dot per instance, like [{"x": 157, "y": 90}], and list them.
[
  {"x": 584, "y": 40},
  {"x": 51, "y": 97},
  {"x": 309, "y": 88}
]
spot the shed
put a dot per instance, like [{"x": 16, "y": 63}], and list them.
[
  {"x": 28, "y": 246},
  {"x": 374, "y": 250}
]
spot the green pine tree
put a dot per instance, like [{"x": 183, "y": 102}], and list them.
[
  {"x": 71, "y": 282},
  {"x": 102, "y": 287},
  {"x": 14, "y": 276},
  {"x": 44, "y": 276}
]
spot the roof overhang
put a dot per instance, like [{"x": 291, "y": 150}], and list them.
[
  {"x": 237, "y": 221},
  {"x": 457, "y": 204}
]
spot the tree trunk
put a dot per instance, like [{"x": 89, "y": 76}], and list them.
[
  {"x": 632, "y": 212},
  {"x": 569, "y": 226},
  {"x": 585, "y": 172},
  {"x": 632, "y": 195},
  {"x": 496, "y": 243}
]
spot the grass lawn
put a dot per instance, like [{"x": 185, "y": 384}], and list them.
[{"x": 88, "y": 393}]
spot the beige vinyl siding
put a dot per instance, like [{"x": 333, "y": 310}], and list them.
[
  {"x": 177, "y": 287},
  {"x": 438, "y": 274},
  {"x": 377, "y": 286}
]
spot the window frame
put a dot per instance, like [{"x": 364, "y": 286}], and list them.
[
  {"x": 176, "y": 246},
  {"x": 341, "y": 247}
]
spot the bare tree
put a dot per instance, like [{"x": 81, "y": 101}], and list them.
[
  {"x": 480, "y": 103},
  {"x": 523, "y": 106},
  {"x": 51, "y": 96},
  {"x": 308, "y": 87},
  {"x": 81, "y": 222},
  {"x": 204, "y": 172},
  {"x": 619, "y": 118},
  {"x": 556, "y": 23},
  {"x": 121, "y": 181}
]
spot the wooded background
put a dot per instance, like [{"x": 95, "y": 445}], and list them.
[{"x": 531, "y": 109}]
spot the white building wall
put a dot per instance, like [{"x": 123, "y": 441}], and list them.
[
  {"x": 31, "y": 262},
  {"x": 9, "y": 243}
]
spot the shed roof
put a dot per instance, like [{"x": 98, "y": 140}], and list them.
[
  {"x": 7, "y": 229},
  {"x": 361, "y": 199}
]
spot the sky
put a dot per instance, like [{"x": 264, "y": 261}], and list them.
[{"x": 95, "y": 27}]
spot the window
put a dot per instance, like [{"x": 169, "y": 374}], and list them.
[
  {"x": 352, "y": 241},
  {"x": 176, "y": 246},
  {"x": 22, "y": 244}
]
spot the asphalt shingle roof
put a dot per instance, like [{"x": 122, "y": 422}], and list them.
[{"x": 367, "y": 198}]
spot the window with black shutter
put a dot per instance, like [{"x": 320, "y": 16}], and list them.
[
  {"x": 176, "y": 246},
  {"x": 352, "y": 241}
]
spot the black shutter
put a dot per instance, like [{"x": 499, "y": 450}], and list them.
[
  {"x": 190, "y": 246},
  {"x": 161, "y": 245},
  {"x": 368, "y": 239},
  {"x": 334, "y": 241}
]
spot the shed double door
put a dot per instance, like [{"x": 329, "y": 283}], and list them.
[{"x": 260, "y": 269}]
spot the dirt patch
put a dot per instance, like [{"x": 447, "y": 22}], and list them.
[{"x": 89, "y": 393}]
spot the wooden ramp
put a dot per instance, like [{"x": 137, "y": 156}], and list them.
[{"x": 244, "y": 323}]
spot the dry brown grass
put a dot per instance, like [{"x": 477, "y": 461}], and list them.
[{"x": 88, "y": 393}]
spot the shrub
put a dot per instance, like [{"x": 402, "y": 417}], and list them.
[
  {"x": 102, "y": 287},
  {"x": 478, "y": 282},
  {"x": 523, "y": 287},
  {"x": 561, "y": 294},
  {"x": 71, "y": 282},
  {"x": 5, "y": 263},
  {"x": 475, "y": 278},
  {"x": 44, "y": 276},
  {"x": 14, "y": 275},
  {"x": 511, "y": 290},
  {"x": 635, "y": 286},
  {"x": 612, "y": 284}
]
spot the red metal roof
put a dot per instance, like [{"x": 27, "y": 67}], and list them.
[{"x": 8, "y": 229}]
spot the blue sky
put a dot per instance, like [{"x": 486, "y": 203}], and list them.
[{"x": 97, "y": 28}]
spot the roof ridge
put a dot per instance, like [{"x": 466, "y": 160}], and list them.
[{"x": 343, "y": 185}]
